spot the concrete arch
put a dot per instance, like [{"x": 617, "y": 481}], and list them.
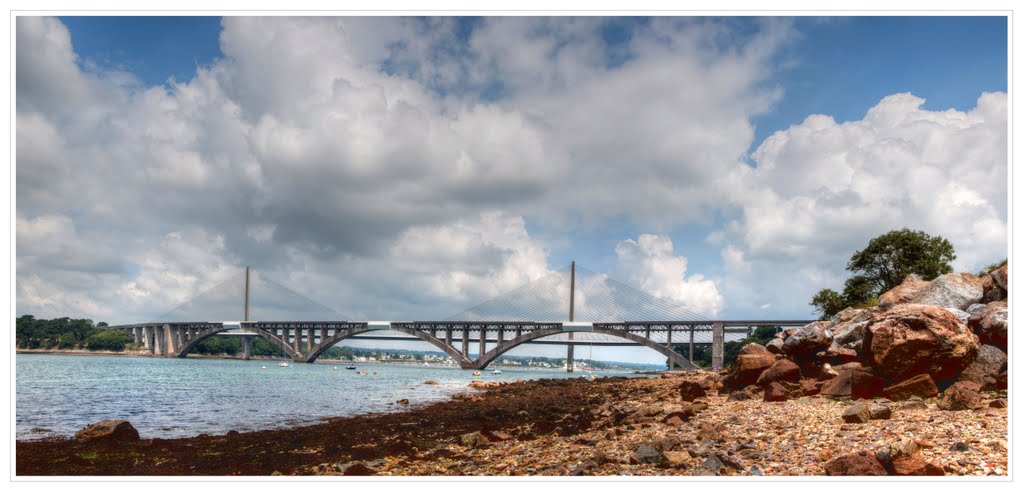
[
  {"x": 494, "y": 353},
  {"x": 204, "y": 334},
  {"x": 343, "y": 334}
]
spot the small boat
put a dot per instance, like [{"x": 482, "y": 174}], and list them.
[
  {"x": 350, "y": 366},
  {"x": 496, "y": 371},
  {"x": 283, "y": 364},
  {"x": 476, "y": 373}
]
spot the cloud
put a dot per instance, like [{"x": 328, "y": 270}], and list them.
[
  {"x": 369, "y": 157},
  {"x": 649, "y": 264},
  {"x": 821, "y": 189}
]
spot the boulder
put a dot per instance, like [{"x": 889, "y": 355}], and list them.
[
  {"x": 990, "y": 323},
  {"x": 986, "y": 367},
  {"x": 1001, "y": 276},
  {"x": 879, "y": 411},
  {"x": 752, "y": 360},
  {"x": 960, "y": 315},
  {"x": 691, "y": 390},
  {"x": 857, "y": 414},
  {"x": 856, "y": 464},
  {"x": 781, "y": 370},
  {"x": 108, "y": 430},
  {"x": 776, "y": 392},
  {"x": 912, "y": 339},
  {"x": 903, "y": 293},
  {"x": 645, "y": 454},
  {"x": 848, "y": 328},
  {"x": 962, "y": 395},
  {"x": 906, "y": 466},
  {"x": 855, "y": 382},
  {"x": 921, "y": 385},
  {"x": 774, "y": 346},
  {"x": 810, "y": 387},
  {"x": 808, "y": 341},
  {"x": 952, "y": 290},
  {"x": 840, "y": 355}
]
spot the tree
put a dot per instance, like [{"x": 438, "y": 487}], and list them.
[{"x": 884, "y": 264}]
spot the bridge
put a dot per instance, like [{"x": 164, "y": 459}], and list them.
[{"x": 592, "y": 309}]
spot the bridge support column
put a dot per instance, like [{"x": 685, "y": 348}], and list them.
[
  {"x": 569, "y": 352},
  {"x": 448, "y": 336},
  {"x": 147, "y": 335},
  {"x": 309, "y": 340},
  {"x": 296, "y": 336},
  {"x": 668, "y": 345},
  {"x": 483, "y": 342},
  {"x": 717, "y": 345},
  {"x": 465, "y": 342},
  {"x": 691, "y": 344},
  {"x": 246, "y": 348}
]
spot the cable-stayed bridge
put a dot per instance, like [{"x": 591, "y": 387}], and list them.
[{"x": 572, "y": 306}]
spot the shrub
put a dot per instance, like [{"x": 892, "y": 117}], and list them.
[{"x": 112, "y": 340}]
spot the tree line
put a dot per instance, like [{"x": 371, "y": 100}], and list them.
[{"x": 68, "y": 334}]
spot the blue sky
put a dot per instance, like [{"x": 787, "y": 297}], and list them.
[{"x": 397, "y": 168}]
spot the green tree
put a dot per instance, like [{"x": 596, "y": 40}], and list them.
[
  {"x": 883, "y": 264},
  {"x": 113, "y": 340},
  {"x": 889, "y": 258}
]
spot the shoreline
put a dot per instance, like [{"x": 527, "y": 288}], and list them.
[
  {"x": 326, "y": 361},
  {"x": 555, "y": 427}
]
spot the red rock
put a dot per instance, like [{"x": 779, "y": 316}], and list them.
[
  {"x": 921, "y": 385},
  {"x": 905, "y": 466},
  {"x": 858, "y": 382},
  {"x": 857, "y": 414},
  {"x": 113, "y": 430},
  {"x": 912, "y": 339},
  {"x": 986, "y": 367},
  {"x": 781, "y": 370},
  {"x": 857, "y": 464},
  {"x": 776, "y": 392},
  {"x": 911, "y": 286},
  {"x": 1001, "y": 276},
  {"x": 810, "y": 387},
  {"x": 752, "y": 360},
  {"x": 691, "y": 390},
  {"x": 962, "y": 395}
]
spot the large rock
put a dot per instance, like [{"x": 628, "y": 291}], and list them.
[
  {"x": 903, "y": 293},
  {"x": 808, "y": 341},
  {"x": 777, "y": 392},
  {"x": 1002, "y": 277},
  {"x": 855, "y": 383},
  {"x": 986, "y": 367},
  {"x": 861, "y": 463},
  {"x": 912, "y": 339},
  {"x": 752, "y": 360},
  {"x": 691, "y": 390},
  {"x": 961, "y": 396},
  {"x": 905, "y": 466},
  {"x": 108, "y": 430},
  {"x": 921, "y": 385},
  {"x": 781, "y": 370},
  {"x": 857, "y": 414},
  {"x": 990, "y": 323},
  {"x": 848, "y": 328},
  {"x": 952, "y": 290},
  {"x": 775, "y": 345}
]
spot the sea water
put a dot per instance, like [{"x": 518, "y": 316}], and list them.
[{"x": 60, "y": 394}]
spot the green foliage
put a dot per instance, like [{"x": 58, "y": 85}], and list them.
[
  {"x": 112, "y": 340},
  {"x": 889, "y": 258},
  {"x": 49, "y": 333},
  {"x": 882, "y": 265},
  {"x": 993, "y": 267}
]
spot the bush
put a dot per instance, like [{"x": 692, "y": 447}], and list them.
[{"x": 112, "y": 340}]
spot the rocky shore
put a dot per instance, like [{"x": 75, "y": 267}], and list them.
[{"x": 915, "y": 386}]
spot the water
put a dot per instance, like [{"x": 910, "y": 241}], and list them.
[{"x": 60, "y": 394}]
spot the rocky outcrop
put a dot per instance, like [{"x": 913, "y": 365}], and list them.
[
  {"x": 921, "y": 385},
  {"x": 986, "y": 367},
  {"x": 912, "y": 339},
  {"x": 109, "y": 430}
]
